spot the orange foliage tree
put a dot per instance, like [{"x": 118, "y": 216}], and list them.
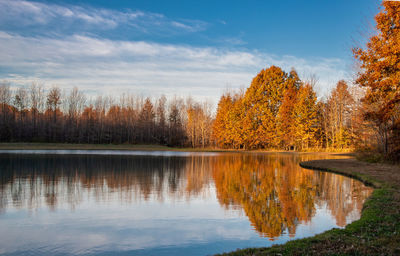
[
  {"x": 380, "y": 75},
  {"x": 261, "y": 104},
  {"x": 305, "y": 117}
]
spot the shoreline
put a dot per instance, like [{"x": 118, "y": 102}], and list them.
[
  {"x": 377, "y": 232},
  {"x": 73, "y": 146},
  {"x": 142, "y": 147}
]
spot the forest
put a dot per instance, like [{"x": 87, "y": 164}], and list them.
[
  {"x": 36, "y": 115},
  {"x": 277, "y": 111}
]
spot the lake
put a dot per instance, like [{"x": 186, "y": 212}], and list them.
[{"x": 64, "y": 202}]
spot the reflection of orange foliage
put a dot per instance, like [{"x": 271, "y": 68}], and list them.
[
  {"x": 273, "y": 196},
  {"x": 343, "y": 196},
  {"x": 276, "y": 194}
]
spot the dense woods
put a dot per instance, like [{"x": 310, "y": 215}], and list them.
[
  {"x": 279, "y": 111},
  {"x": 36, "y": 115}
]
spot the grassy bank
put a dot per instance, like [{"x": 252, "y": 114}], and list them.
[{"x": 376, "y": 233}]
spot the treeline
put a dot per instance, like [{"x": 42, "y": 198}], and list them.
[
  {"x": 279, "y": 111},
  {"x": 36, "y": 115}
]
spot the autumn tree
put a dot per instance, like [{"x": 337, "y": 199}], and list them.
[
  {"x": 114, "y": 124},
  {"x": 338, "y": 116},
  {"x": 147, "y": 119},
  {"x": 305, "y": 116},
  {"x": 192, "y": 113},
  {"x": 236, "y": 123},
  {"x": 286, "y": 117},
  {"x": 262, "y": 101},
  {"x": 161, "y": 119},
  {"x": 380, "y": 75},
  {"x": 220, "y": 126},
  {"x": 229, "y": 121}
]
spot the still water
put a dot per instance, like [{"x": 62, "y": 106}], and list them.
[{"x": 165, "y": 203}]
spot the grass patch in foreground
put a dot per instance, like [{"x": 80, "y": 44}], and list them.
[{"x": 377, "y": 232}]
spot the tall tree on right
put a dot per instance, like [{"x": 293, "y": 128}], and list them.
[{"x": 380, "y": 75}]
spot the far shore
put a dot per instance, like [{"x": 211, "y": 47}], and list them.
[
  {"x": 139, "y": 147},
  {"x": 72, "y": 146}
]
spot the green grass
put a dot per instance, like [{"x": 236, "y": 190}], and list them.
[
  {"x": 370, "y": 157},
  {"x": 377, "y": 232}
]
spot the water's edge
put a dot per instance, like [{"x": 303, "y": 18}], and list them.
[
  {"x": 306, "y": 245},
  {"x": 363, "y": 179}
]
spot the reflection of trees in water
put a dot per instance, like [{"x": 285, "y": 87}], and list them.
[
  {"x": 343, "y": 196},
  {"x": 273, "y": 195},
  {"x": 26, "y": 180},
  {"x": 276, "y": 194},
  {"x": 273, "y": 191}
]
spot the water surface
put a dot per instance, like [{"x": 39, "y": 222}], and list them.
[{"x": 165, "y": 203}]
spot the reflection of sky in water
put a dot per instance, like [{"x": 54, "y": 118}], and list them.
[{"x": 118, "y": 221}]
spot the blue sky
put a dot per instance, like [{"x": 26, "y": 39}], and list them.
[{"x": 196, "y": 48}]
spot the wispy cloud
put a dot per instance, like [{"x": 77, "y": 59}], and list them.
[
  {"x": 103, "y": 65},
  {"x": 19, "y": 14}
]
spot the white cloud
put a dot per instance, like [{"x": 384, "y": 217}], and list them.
[
  {"x": 110, "y": 66},
  {"x": 22, "y": 14},
  {"x": 34, "y": 12}
]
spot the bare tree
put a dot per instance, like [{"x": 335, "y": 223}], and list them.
[
  {"x": 6, "y": 119},
  {"x": 161, "y": 119}
]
